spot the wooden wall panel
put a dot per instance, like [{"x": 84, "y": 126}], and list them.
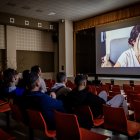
[{"x": 113, "y": 16}]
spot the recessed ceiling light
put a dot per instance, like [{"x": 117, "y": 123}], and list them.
[{"x": 51, "y": 13}]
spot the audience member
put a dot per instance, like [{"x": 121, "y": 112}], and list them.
[
  {"x": 60, "y": 88},
  {"x": 35, "y": 99},
  {"x": 80, "y": 96},
  {"x": 9, "y": 89},
  {"x": 37, "y": 70},
  {"x": 23, "y": 81}
]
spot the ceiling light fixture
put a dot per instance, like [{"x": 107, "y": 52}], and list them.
[{"x": 51, "y": 14}]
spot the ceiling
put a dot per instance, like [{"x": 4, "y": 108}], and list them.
[{"x": 65, "y": 9}]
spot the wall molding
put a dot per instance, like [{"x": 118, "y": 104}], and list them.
[{"x": 26, "y": 22}]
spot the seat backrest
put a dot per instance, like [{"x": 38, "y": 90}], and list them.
[
  {"x": 136, "y": 106},
  {"x": 137, "y": 88},
  {"x": 36, "y": 120},
  {"x": 16, "y": 113},
  {"x": 91, "y": 89},
  {"x": 67, "y": 127},
  {"x": 115, "y": 119},
  {"x": 127, "y": 87},
  {"x": 85, "y": 116},
  {"x": 5, "y": 136},
  {"x": 117, "y": 47},
  {"x": 116, "y": 88}
]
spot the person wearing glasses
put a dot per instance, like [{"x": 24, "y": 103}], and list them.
[{"x": 131, "y": 57}]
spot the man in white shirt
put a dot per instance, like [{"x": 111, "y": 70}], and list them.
[{"x": 37, "y": 69}]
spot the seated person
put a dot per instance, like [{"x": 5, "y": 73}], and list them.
[
  {"x": 9, "y": 89},
  {"x": 23, "y": 81},
  {"x": 80, "y": 96},
  {"x": 37, "y": 69},
  {"x": 35, "y": 99},
  {"x": 60, "y": 88}
]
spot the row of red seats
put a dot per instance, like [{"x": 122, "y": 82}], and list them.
[{"x": 67, "y": 126}]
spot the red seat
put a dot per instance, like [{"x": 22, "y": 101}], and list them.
[
  {"x": 116, "y": 88},
  {"x": 91, "y": 89},
  {"x": 5, "y": 136},
  {"x": 106, "y": 88},
  {"x": 84, "y": 113},
  {"x": 36, "y": 121},
  {"x": 116, "y": 120},
  {"x": 101, "y": 88},
  {"x": 70, "y": 84},
  {"x": 5, "y": 108},
  {"x": 112, "y": 93},
  {"x": 137, "y": 88},
  {"x": 127, "y": 87},
  {"x": 67, "y": 128},
  {"x": 16, "y": 113},
  {"x": 136, "y": 106},
  {"x": 131, "y": 98},
  {"x": 109, "y": 85}
]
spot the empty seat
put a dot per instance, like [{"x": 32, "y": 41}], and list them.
[
  {"x": 36, "y": 121},
  {"x": 115, "y": 119},
  {"x": 67, "y": 128},
  {"x": 5, "y": 136}
]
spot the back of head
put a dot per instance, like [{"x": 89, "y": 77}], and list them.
[
  {"x": 9, "y": 75},
  {"x": 79, "y": 79},
  {"x": 25, "y": 74},
  {"x": 31, "y": 80},
  {"x": 61, "y": 77},
  {"x": 35, "y": 69}
]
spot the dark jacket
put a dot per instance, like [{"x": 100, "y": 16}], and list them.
[{"x": 79, "y": 98}]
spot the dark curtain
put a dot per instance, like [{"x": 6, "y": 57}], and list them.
[{"x": 85, "y": 51}]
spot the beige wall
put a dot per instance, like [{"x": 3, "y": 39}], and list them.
[
  {"x": 33, "y": 40},
  {"x": 11, "y": 46},
  {"x": 2, "y": 37},
  {"x": 29, "y": 40},
  {"x": 66, "y": 47},
  {"x": 69, "y": 47}
]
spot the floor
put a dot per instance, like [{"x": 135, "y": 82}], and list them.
[{"x": 21, "y": 132}]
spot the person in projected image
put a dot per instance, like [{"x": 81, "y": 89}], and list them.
[{"x": 131, "y": 57}]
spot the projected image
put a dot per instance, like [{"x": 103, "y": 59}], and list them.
[{"x": 121, "y": 47}]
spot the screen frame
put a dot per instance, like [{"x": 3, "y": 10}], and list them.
[{"x": 110, "y": 71}]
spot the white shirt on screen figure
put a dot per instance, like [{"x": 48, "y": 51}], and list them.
[
  {"x": 131, "y": 57},
  {"x": 128, "y": 59}
]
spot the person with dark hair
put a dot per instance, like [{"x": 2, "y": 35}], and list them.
[
  {"x": 37, "y": 69},
  {"x": 81, "y": 96},
  {"x": 60, "y": 88},
  {"x": 131, "y": 57},
  {"x": 35, "y": 99},
  {"x": 23, "y": 82},
  {"x": 9, "y": 89}
]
